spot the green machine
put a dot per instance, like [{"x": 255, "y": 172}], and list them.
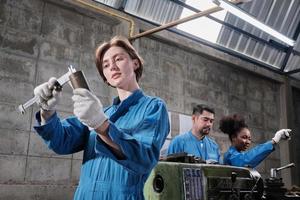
[{"x": 199, "y": 181}]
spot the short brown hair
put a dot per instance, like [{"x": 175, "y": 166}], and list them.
[{"x": 124, "y": 43}]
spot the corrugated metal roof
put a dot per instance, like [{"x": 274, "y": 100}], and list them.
[{"x": 281, "y": 15}]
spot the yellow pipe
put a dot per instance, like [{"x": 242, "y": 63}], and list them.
[{"x": 131, "y": 22}]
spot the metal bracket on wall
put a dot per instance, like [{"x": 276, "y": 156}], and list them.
[{"x": 90, "y": 5}]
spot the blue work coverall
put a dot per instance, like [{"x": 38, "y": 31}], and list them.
[
  {"x": 207, "y": 149},
  {"x": 250, "y": 158},
  {"x": 138, "y": 124}
]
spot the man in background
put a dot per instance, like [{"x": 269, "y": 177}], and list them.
[{"x": 197, "y": 141}]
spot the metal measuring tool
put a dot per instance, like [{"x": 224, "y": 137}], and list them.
[{"x": 58, "y": 86}]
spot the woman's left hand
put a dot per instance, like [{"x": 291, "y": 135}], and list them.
[{"x": 88, "y": 108}]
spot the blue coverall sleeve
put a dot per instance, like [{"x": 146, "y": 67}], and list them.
[
  {"x": 142, "y": 147},
  {"x": 175, "y": 146},
  {"x": 63, "y": 137},
  {"x": 252, "y": 157}
]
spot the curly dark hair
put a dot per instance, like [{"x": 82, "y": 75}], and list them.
[{"x": 232, "y": 124}]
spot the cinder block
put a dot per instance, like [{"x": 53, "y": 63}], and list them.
[
  {"x": 22, "y": 43},
  {"x": 10, "y": 118},
  {"x": 149, "y": 45},
  {"x": 196, "y": 91},
  {"x": 270, "y": 109},
  {"x": 96, "y": 31},
  {"x": 152, "y": 80},
  {"x": 171, "y": 51},
  {"x": 271, "y": 123},
  {"x": 237, "y": 103},
  {"x": 218, "y": 97},
  {"x": 255, "y": 89},
  {"x": 151, "y": 62},
  {"x": 76, "y": 168},
  {"x": 237, "y": 87},
  {"x": 254, "y": 106},
  {"x": 36, "y": 192},
  {"x": 34, "y": 5},
  {"x": 13, "y": 142},
  {"x": 218, "y": 77},
  {"x": 255, "y": 120},
  {"x": 15, "y": 92},
  {"x": 17, "y": 67},
  {"x": 271, "y": 92},
  {"x": 12, "y": 169},
  {"x": 197, "y": 72},
  {"x": 258, "y": 135},
  {"x": 5, "y": 11},
  {"x": 78, "y": 155},
  {"x": 48, "y": 170},
  {"x": 173, "y": 100},
  {"x": 59, "y": 53},
  {"x": 25, "y": 20},
  {"x": 173, "y": 82},
  {"x": 62, "y": 25},
  {"x": 2, "y": 31}
]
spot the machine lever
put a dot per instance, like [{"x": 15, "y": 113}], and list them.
[{"x": 275, "y": 170}]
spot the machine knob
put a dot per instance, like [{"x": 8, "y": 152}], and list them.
[{"x": 158, "y": 183}]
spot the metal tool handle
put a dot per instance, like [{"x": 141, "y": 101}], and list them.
[
  {"x": 275, "y": 170},
  {"x": 286, "y": 166},
  {"x": 58, "y": 86}
]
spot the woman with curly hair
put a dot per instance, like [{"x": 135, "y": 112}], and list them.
[{"x": 239, "y": 134}]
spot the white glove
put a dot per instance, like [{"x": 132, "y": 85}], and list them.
[
  {"x": 88, "y": 108},
  {"x": 48, "y": 97},
  {"x": 281, "y": 134}
]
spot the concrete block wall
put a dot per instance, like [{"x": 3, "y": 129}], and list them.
[
  {"x": 295, "y": 149},
  {"x": 40, "y": 38}
]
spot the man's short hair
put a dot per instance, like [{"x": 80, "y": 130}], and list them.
[{"x": 198, "y": 109}]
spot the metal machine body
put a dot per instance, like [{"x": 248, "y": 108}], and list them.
[{"x": 185, "y": 181}]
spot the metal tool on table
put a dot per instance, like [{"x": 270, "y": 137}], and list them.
[{"x": 58, "y": 86}]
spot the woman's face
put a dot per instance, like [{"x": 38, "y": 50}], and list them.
[
  {"x": 242, "y": 140},
  {"x": 118, "y": 68}
]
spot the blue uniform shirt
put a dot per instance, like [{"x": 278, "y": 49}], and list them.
[
  {"x": 206, "y": 149},
  {"x": 250, "y": 158},
  {"x": 139, "y": 125}
]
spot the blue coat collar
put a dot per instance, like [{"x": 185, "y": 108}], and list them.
[{"x": 123, "y": 106}]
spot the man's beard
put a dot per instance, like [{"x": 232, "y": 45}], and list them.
[{"x": 205, "y": 131}]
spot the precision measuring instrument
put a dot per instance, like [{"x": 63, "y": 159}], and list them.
[{"x": 58, "y": 86}]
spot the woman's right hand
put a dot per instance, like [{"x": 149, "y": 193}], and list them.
[
  {"x": 281, "y": 134},
  {"x": 48, "y": 97}
]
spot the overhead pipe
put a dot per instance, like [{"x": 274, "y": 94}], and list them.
[{"x": 176, "y": 22}]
